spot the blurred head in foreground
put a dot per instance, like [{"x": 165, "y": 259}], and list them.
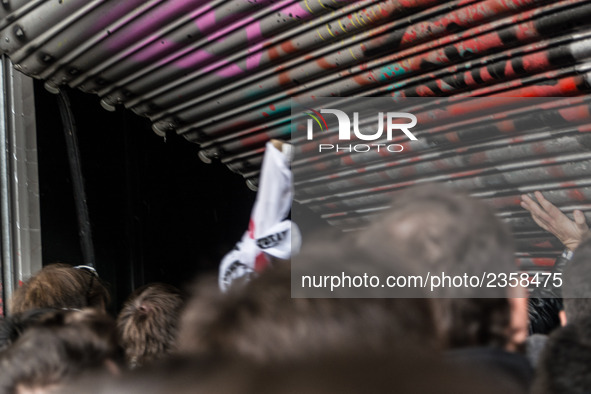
[
  {"x": 565, "y": 363},
  {"x": 13, "y": 326},
  {"x": 340, "y": 372},
  {"x": 436, "y": 230},
  {"x": 62, "y": 346},
  {"x": 261, "y": 322}
]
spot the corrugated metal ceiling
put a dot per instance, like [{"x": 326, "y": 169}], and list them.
[{"x": 222, "y": 74}]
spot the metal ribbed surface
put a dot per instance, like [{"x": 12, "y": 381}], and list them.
[
  {"x": 222, "y": 74},
  {"x": 536, "y": 144}
]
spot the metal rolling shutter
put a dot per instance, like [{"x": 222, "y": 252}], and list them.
[{"x": 222, "y": 73}]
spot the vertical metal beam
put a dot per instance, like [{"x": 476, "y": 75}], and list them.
[
  {"x": 5, "y": 219},
  {"x": 71, "y": 136},
  {"x": 19, "y": 182}
]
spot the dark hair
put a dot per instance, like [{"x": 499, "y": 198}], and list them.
[
  {"x": 262, "y": 322},
  {"x": 576, "y": 289},
  {"x": 63, "y": 345},
  {"x": 467, "y": 322},
  {"x": 340, "y": 372},
  {"x": 148, "y": 323},
  {"x": 13, "y": 326},
  {"x": 433, "y": 229},
  {"x": 565, "y": 362},
  {"x": 60, "y": 286}
]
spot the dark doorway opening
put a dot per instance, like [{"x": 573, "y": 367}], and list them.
[{"x": 158, "y": 213}]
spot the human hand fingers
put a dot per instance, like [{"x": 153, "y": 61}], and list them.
[
  {"x": 538, "y": 214},
  {"x": 548, "y": 207}
]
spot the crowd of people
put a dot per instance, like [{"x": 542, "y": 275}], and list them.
[{"x": 253, "y": 337}]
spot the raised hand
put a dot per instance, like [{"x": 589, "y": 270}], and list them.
[{"x": 551, "y": 219}]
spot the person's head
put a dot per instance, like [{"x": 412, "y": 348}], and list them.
[
  {"x": 13, "y": 326},
  {"x": 148, "y": 323},
  {"x": 61, "y": 286},
  {"x": 433, "y": 229},
  {"x": 261, "y": 321},
  {"x": 565, "y": 362},
  {"x": 62, "y": 346},
  {"x": 339, "y": 372},
  {"x": 576, "y": 289}
]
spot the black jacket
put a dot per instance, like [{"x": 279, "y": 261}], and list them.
[{"x": 546, "y": 302}]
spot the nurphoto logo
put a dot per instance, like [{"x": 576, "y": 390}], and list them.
[{"x": 394, "y": 122}]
